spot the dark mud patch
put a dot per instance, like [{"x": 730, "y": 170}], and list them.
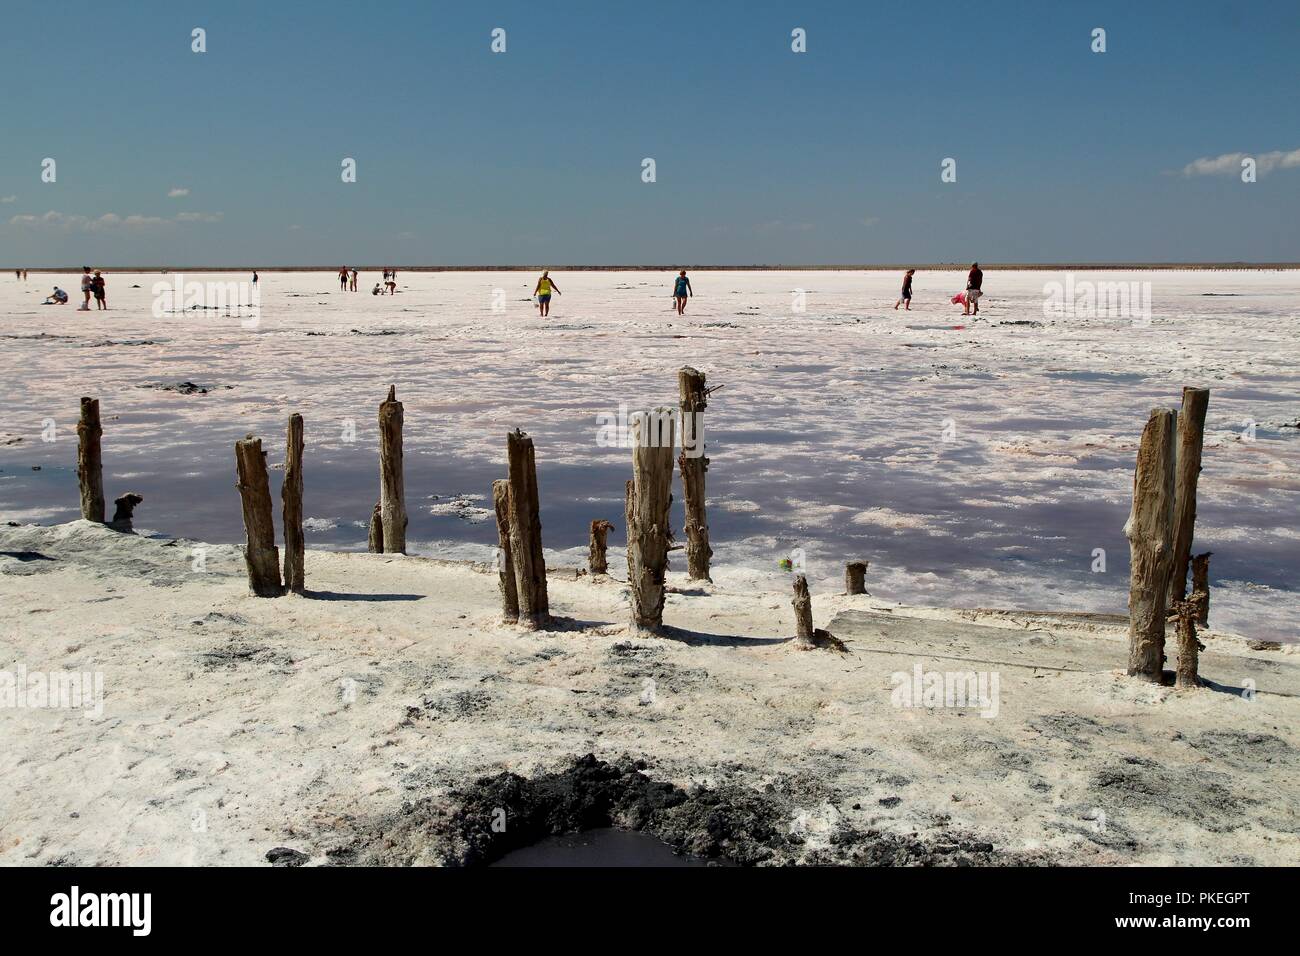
[
  {"x": 643, "y": 667},
  {"x": 731, "y": 823},
  {"x": 285, "y": 856},
  {"x": 109, "y": 343},
  {"x": 183, "y": 388},
  {"x": 1196, "y": 795},
  {"x": 1074, "y": 729},
  {"x": 235, "y": 655},
  {"x": 1242, "y": 749},
  {"x": 456, "y": 705}
]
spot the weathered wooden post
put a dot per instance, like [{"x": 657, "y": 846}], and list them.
[
  {"x": 1189, "y": 647},
  {"x": 803, "y": 622},
  {"x": 526, "y": 531},
  {"x": 1201, "y": 587},
  {"x": 505, "y": 563},
  {"x": 855, "y": 577},
  {"x": 649, "y": 497},
  {"x": 90, "y": 468},
  {"x": 1150, "y": 530},
  {"x": 375, "y": 536},
  {"x": 1191, "y": 439},
  {"x": 693, "y": 466},
  {"x": 124, "y": 512},
  {"x": 596, "y": 563},
  {"x": 392, "y": 491},
  {"x": 291, "y": 508},
  {"x": 261, "y": 554}
]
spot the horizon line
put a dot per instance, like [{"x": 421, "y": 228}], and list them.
[{"x": 753, "y": 267}]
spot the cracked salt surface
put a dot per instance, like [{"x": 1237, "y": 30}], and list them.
[{"x": 828, "y": 437}]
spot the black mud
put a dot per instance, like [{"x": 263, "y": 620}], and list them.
[{"x": 731, "y": 823}]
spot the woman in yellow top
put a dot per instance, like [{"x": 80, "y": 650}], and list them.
[{"x": 543, "y": 292}]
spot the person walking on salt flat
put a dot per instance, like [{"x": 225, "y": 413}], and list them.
[
  {"x": 543, "y": 292},
  {"x": 682, "y": 289},
  {"x": 906, "y": 295}
]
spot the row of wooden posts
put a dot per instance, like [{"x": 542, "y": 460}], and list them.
[
  {"x": 1159, "y": 529},
  {"x": 520, "y": 561}
]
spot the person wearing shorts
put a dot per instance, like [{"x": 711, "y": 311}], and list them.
[
  {"x": 973, "y": 292},
  {"x": 87, "y": 284},
  {"x": 906, "y": 296},
  {"x": 97, "y": 286},
  {"x": 545, "y": 285},
  {"x": 681, "y": 289}
]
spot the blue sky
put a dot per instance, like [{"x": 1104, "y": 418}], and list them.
[{"x": 534, "y": 156}]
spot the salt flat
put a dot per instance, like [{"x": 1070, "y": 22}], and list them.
[{"x": 974, "y": 467}]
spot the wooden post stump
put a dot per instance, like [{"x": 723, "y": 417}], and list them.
[
  {"x": 596, "y": 563},
  {"x": 124, "y": 511},
  {"x": 526, "y": 531},
  {"x": 375, "y": 539},
  {"x": 1191, "y": 439},
  {"x": 261, "y": 554},
  {"x": 693, "y": 466},
  {"x": 504, "y": 561},
  {"x": 1189, "y": 647},
  {"x": 855, "y": 577},
  {"x": 392, "y": 491},
  {"x": 1150, "y": 529},
  {"x": 90, "y": 468},
  {"x": 295, "y": 545},
  {"x": 803, "y": 622},
  {"x": 649, "y": 497},
  {"x": 1201, "y": 587}
]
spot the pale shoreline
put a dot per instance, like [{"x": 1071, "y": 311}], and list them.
[{"x": 350, "y": 725}]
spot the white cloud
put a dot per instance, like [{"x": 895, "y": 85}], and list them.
[
  {"x": 109, "y": 221},
  {"x": 176, "y": 192},
  {"x": 1230, "y": 163}
]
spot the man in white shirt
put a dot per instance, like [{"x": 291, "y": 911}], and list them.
[{"x": 87, "y": 283}]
